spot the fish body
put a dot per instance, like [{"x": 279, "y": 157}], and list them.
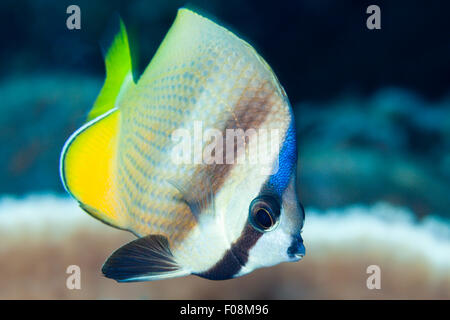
[{"x": 220, "y": 219}]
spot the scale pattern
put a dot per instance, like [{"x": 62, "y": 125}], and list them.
[{"x": 201, "y": 72}]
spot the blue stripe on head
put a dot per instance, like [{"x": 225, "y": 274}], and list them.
[{"x": 287, "y": 160}]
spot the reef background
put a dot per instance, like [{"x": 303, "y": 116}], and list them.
[{"x": 373, "y": 118}]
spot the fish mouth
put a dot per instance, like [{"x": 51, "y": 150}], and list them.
[
  {"x": 297, "y": 257},
  {"x": 297, "y": 250}
]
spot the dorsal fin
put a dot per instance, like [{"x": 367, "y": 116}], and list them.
[
  {"x": 118, "y": 65},
  {"x": 88, "y": 159},
  {"x": 87, "y": 168}
]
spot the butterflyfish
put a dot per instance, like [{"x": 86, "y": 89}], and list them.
[{"x": 218, "y": 216}]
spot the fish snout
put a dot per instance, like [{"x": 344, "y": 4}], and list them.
[{"x": 296, "y": 250}]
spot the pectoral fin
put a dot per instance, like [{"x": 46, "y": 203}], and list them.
[
  {"x": 144, "y": 259},
  {"x": 198, "y": 195}
]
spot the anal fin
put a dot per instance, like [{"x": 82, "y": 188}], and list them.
[{"x": 144, "y": 259}]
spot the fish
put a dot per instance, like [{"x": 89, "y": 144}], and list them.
[{"x": 218, "y": 218}]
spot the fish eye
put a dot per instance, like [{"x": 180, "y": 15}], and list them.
[{"x": 264, "y": 213}]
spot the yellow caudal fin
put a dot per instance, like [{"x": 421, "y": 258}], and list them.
[
  {"x": 87, "y": 168},
  {"x": 119, "y": 68}
]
